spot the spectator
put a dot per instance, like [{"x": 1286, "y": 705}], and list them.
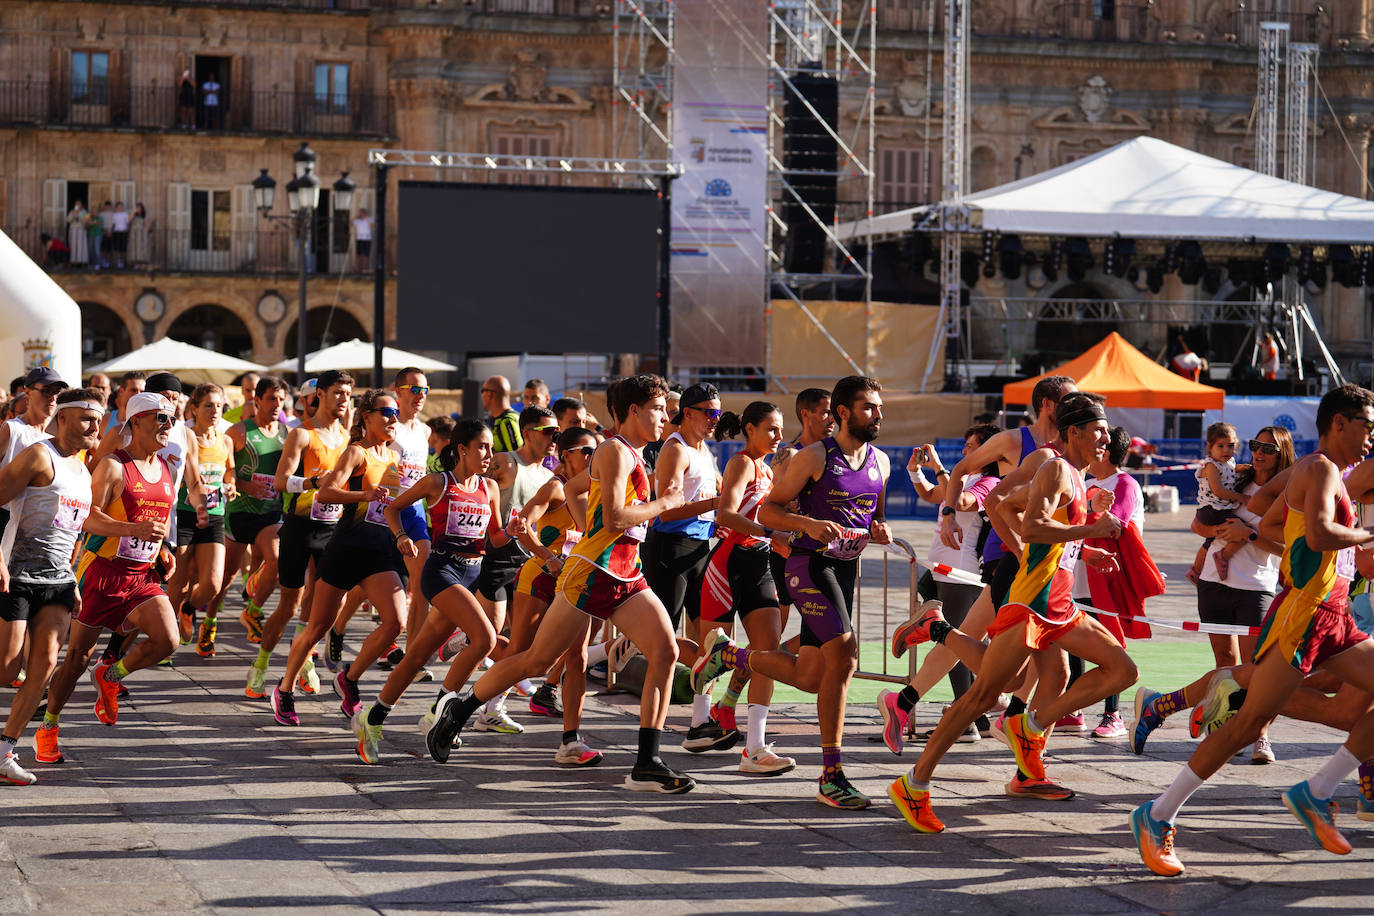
[
  {"x": 95, "y": 230},
  {"x": 119, "y": 236},
  {"x": 1187, "y": 363},
  {"x": 570, "y": 413},
  {"x": 100, "y": 382},
  {"x": 505, "y": 422},
  {"x": 138, "y": 237},
  {"x": 1140, "y": 453},
  {"x": 76, "y": 233},
  {"x": 209, "y": 101},
  {"x": 106, "y": 233},
  {"x": 1269, "y": 357},
  {"x": 56, "y": 253},
  {"x": 362, "y": 239},
  {"x": 536, "y": 393},
  {"x": 186, "y": 101}
]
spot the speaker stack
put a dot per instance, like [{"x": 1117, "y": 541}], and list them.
[{"x": 810, "y": 156}]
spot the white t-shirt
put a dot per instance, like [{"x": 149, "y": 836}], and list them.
[
  {"x": 1252, "y": 569},
  {"x": 362, "y": 228},
  {"x": 964, "y": 557},
  {"x": 211, "y": 90},
  {"x": 121, "y": 220}
]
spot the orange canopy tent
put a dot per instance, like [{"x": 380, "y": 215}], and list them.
[{"x": 1127, "y": 378}]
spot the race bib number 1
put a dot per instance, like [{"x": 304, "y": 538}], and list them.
[
  {"x": 848, "y": 546},
  {"x": 1345, "y": 562},
  {"x": 71, "y": 514}
]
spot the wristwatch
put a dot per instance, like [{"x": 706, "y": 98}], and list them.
[
  {"x": 947, "y": 510},
  {"x": 1254, "y": 535}
]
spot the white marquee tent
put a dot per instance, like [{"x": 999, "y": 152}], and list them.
[
  {"x": 42, "y": 325},
  {"x": 358, "y": 354},
  {"x": 1147, "y": 188},
  {"x": 175, "y": 356}
]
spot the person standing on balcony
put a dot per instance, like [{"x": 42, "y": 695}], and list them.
[
  {"x": 106, "y": 232},
  {"x": 362, "y": 239},
  {"x": 186, "y": 101},
  {"x": 95, "y": 229},
  {"x": 76, "y": 233},
  {"x": 119, "y": 238},
  {"x": 209, "y": 100},
  {"x": 138, "y": 236}
]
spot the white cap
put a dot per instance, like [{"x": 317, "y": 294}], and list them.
[{"x": 145, "y": 401}]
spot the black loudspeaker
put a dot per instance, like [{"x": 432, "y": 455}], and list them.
[
  {"x": 472, "y": 399},
  {"x": 809, "y": 156}
]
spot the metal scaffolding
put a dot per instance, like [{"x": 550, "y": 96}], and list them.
[
  {"x": 1272, "y": 37},
  {"x": 1302, "y": 68},
  {"x": 642, "y": 80}
]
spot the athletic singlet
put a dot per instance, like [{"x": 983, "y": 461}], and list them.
[
  {"x": 616, "y": 552},
  {"x": 1044, "y": 583},
  {"x": 317, "y": 459},
  {"x": 698, "y": 483},
  {"x": 412, "y": 445},
  {"x": 460, "y": 518},
  {"x": 558, "y": 530},
  {"x": 214, "y": 461},
  {"x": 257, "y": 460},
  {"x": 142, "y": 500},
  {"x": 993, "y": 548},
  {"x": 754, "y": 493},
  {"x": 844, "y": 495},
  {"x": 1314, "y": 578},
  {"x": 527, "y": 481},
  {"x": 22, "y": 435},
  {"x": 373, "y": 472},
  {"x": 47, "y": 527}
]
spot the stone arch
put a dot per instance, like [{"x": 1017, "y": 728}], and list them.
[
  {"x": 105, "y": 333},
  {"x": 324, "y": 326},
  {"x": 229, "y": 298},
  {"x": 213, "y": 327}
]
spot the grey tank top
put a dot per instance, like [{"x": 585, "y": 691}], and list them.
[
  {"x": 528, "y": 479},
  {"x": 47, "y": 525}
]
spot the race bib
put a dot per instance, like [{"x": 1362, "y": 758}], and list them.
[
  {"x": 467, "y": 521},
  {"x": 268, "y": 481},
  {"x": 212, "y": 498},
  {"x": 848, "y": 545},
  {"x": 329, "y": 513},
  {"x": 137, "y": 549},
  {"x": 410, "y": 473},
  {"x": 571, "y": 538},
  {"x": 375, "y": 509},
  {"x": 1345, "y": 562},
  {"x": 1073, "y": 550},
  {"x": 71, "y": 513}
]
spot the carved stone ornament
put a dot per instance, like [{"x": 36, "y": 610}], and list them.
[
  {"x": 1094, "y": 97},
  {"x": 527, "y": 86}
]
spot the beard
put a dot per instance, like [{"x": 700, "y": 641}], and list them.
[{"x": 863, "y": 433}]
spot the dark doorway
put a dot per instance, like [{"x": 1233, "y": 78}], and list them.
[
  {"x": 79, "y": 190},
  {"x": 214, "y": 328},
  {"x": 212, "y": 104},
  {"x": 320, "y": 246}
]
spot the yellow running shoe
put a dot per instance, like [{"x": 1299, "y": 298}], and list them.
[
  {"x": 252, "y": 623},
  {"x": 914, "y": 805},
  {"x": 205, "y": 644}
]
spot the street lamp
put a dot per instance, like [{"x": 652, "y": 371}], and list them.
[{"x": 302, "y": 198}]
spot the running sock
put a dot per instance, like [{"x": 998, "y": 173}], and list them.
[
  {"x": 756, "y": 718},
  {"x": 494, "y": 705},
  {"x": 648, "y": 747},
  {"x": 908, "y": 698},
  {"x": 701, "y": 709},
  {"x": 7, "y": 745},
  {"x": 1166, "y": 704},
  {"x": 596, "y": 654},
  {"x": 831, "y": 763},
  {"x": 939, "y": 630},
  {"x": 252, "y": 609},
  {"x": 570, "y": 736},
  {"x": 1338, "y": 766},
  {"x": 1113, "y": 704},
  {"x": 264, "y": 656},
  {"x": 737, "y": 657},
  {"x": 466, "y": 705},
  {"x": 1033, "y": 726},
  {"x": 916, "y": 786},
  {"x": 731, "y": 695},
  {"x": 1166, "y": 807},
  {"x": 377, "y": 714},
  {"x": 117, "y": 673},
  {"x": 1015, "y": 706},
  {"x": 50, "y": 718},
  {"x": 1367, "y": 779}
]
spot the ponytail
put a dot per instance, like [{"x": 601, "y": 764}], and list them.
[
  {"x": 732, "y": 424},
  {"x": 464, "y": 431}
]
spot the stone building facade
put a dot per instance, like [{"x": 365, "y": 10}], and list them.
[{"x": 89, "y": 110}]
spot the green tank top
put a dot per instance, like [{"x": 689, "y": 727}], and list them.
[{"x": 257, "y": 459}]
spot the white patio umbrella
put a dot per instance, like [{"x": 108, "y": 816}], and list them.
[
  {"x": 358, "y": 354},
  {"x": 175, "y": 356}
]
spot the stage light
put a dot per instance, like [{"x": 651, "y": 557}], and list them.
[
  {"x": 1191, "y": 263},
  {"x": 1211, "y": 281},
  {"x": 968, "y": 270},
  {"x": 1053, "y": 259},
  {"x": 1277, "y": 258},
  {"x": 1154, "y": 278},
  {"x": 1009, "y": 256},
  {"x": 1078, "y": 257},
  {"x": 1116, "y": 256},
  {"x": 1345, "y": 270}
]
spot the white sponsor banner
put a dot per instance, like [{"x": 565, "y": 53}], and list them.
[{"x": 720, "y": 131}]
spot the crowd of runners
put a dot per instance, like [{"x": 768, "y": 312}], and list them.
[{"x": 513, "y": 555}]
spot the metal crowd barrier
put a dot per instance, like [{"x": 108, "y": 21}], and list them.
[{"x": 898, "y": 551}]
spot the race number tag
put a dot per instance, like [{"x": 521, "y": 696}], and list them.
[
  {"x": 849, "y": 545},
  {"x": 268, "y": 482},
  {"x": 410, "y": 473},
  {"x": 71, "y": 513},
  {"x": 329, "y": 513},
  {"x": 467, "y": 521},
  {"x": 1345, "y": 562},
  {"x": 571, "y": 538},
  {"x": 137, "y": 549},
  {"x": 212, "y": 498},
  {"x": 1073, "y": 550}
]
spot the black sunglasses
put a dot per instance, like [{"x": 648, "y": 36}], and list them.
[{"x": 1262, "y": 448}]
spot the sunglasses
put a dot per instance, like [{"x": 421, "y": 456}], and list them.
[
  {"x": 550, "y": 430},
  {"x": 712, "y": 413},
  {"x": 415, "y": 389},
  {"x": 1365, "y": 421},
  {"x": 390, "y": 413},
  {"x": 586, "y": 450},
  {"x": 164, "y": 419},
  {"x": 1262, "y": 448}
]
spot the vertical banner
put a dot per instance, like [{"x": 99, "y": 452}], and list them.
[{"x": 720, "y": 133}]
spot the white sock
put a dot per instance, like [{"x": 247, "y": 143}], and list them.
[
  {"x": 596, "y": 654},
  {"x": 6, "y": 748},
  {"x": 756, "y": 717},
  {"x": 1167, "y": 806},
  {"x": 701, "y": 708},
  {"x": 1337, "y": 767},
  {"x": 496, "y": 703}
]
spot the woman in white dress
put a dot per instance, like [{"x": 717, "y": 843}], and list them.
[{"x": 76, "y": 234}]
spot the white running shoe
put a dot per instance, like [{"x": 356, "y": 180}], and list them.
[
  {"x": 620, "y": 651},
  {"x": 763, "y": 762},
  {"x": 576, "y": 754},
  {"x": 498, "y": 721},
  {"x": 12, "y": 773},
  {"x": 456, "y": 643},
  {"x": 525, "y": 688}
]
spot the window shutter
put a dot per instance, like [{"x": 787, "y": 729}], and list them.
[
  {"x": 119, "y": 89},
  {"x": 240, "y": 102},
  {"x": 55, "y": 207},
  {"x": 242, "y": 224},
  {"x": 59, "y": 84},
  {"x": 178, "y": 224}
]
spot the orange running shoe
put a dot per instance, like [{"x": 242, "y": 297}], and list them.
[
  {"x": 1155, "y": 840},
  {"x": 914, "y": 805},
  {"x": 45, "y": 746},
  {"x": 1318, "y": 815},
  {"x": 107, "y": 695},
  {"x": 252, "y": 623},
  {"x": 1026, "y": 747}
]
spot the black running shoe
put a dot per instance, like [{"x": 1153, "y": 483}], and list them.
[
  {"x": 392, "y": 658},
  {"x": 441, "y": 736},
  {"x": 333, "y": 653},
  {"x": 544, "y": 701},
  {"x": 710, "y": 736},
  {"x": 659, "y": 777}
]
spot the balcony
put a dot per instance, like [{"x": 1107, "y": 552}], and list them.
[
  {"x": 1086, "y": 20},
  {"x": 155, "y": 108},
  {"x": 1303, "y": 27}
]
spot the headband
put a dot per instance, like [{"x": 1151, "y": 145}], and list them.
[
  {"x": 1086, "y": 413},
  {"x": 85, "y": 405}
]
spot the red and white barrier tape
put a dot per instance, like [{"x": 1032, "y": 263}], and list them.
[{"x": 1153, "y": 468}]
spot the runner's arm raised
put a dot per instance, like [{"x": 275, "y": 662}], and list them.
[
  {"x": 107, "y": 485},
  {"x": 547, "y": 496},
  {"x": 334, "y": 483},
  {"x": 290, "y": 460},
  {"x": 1050, "y": 487},
  {"x": 612, "y": 464},
  {"x": 1323, "y": 489}
]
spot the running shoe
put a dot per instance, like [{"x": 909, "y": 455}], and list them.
[
  {"x": 455, "y": 644},
  {"x": 914, "y": 805},
  {"x": 368, "y": 736},
  {"x": 423, "y": 676},
  {"x": 442, "y": 736},
  {"x": 391, "y": 658},
  {"x": 711, "y": 665},
  {"x": 19, "y": 679},
  {"x": 252, "y": 623},
  {"x": 186, "y": 623},
  {"x": 1024, "y": 787},
  {"x": 205, "y": 644},
  {"x": 984, "y": 727},
  {"x": 1364, "y": 808},
  {"x": 1027, "y": 747},
  {"x": 709, "y": 736},
  {"x": 498, "y": 721},
  {"x": 763, "y": 762},
  {"x": 309, "y": 681},
  {"x": 620, "y": 651},
  {"x": 12, "y": 773},
  {"x": 658, "y": 777},
  {"x": 576, "y": 754},
  {"x": 1073, "y": 722},
  {"x": 1155, "y": 842},
  {"x": 1146, "y": 720},
  {"x": 284, "y": 707},
  {"x": 1263, "y": 752},
  {"x": 895, "y": 721},
  {"x": 107, "y": 695},
  {"x": 598, "y": 672},
  {"x": 256, "y": 688},
  {"x": 45, "y": 746},
  {"x": 999, "y": 730},
  {"x": 525, "y": 687},
  {"x": 1318, "y": 815},
  {"x": 841, "y": 793},
  {"x": 917, "y": 629},
  {"x": 545, "y": 702},
  {"x": 1216, "y": 706},
  {"x": 1111, "y": 726},
  {"x": 347, "y": 692},
  {"x": 725, "y": 715},
  {"x": 333, "y": 652}
]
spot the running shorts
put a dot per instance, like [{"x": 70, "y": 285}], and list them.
[
  {"x": 500, "y": 569},
  {"x": 345, "y": 565},
  {"x": 188, "y": 533},
  {"x": 24, "y": 599},
  {"x": 536, "y": 582},
  {"x": 1219, "y": 603},
  {"x": 777, "y": 563},
  {"x": 823, "y": 590},
  {"x": 1307, "y": 635},
  {"x": 301, "y": 540},
  {"x": 1007, "y": 568},
  {"x": 595, "y": 592},
  {"x": 675, "y": 567},
  {"x": 738, "y": 580},
  {"x": 244, "y": 527},
  {"x": 442, "y": 571},
  {"x": 1040, "y": 632},
  {"x": 110, "y": 592}
]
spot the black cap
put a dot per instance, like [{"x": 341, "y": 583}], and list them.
[
  {"x": 697, "y": 394},
  {"x": 162, "y": 381},
  {"x": 42, "y": 376}
]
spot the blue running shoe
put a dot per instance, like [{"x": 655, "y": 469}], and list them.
[
  {"x": 1365, "y": 809},
  {"x": 1155, "y": 841},
  {"x": 1318, "y": 816},
  {"x": 1146, "y": 719}
]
